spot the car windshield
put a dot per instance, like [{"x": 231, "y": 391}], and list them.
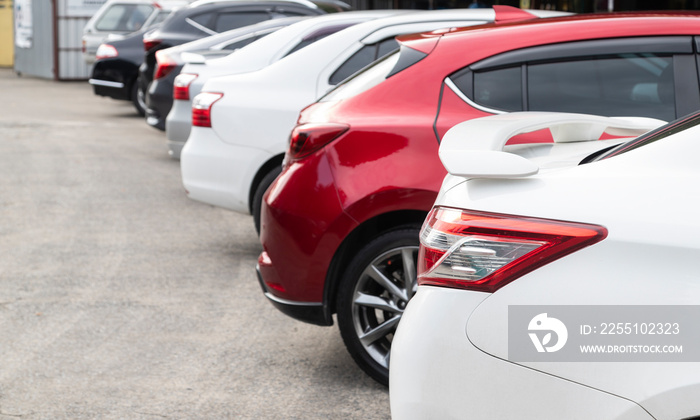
[
  {"x": 363, "y": 80},
  {"x": 669, "y": 129}
]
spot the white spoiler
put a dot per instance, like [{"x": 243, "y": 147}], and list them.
[{"x": 474, "y": 148}]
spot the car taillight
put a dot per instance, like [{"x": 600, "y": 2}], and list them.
[
  {"x": 106, "y": 51},
  {"x": 482, "y": 251},
  {"x": 201, "y": 108},
  {"x": 149, "y": 44},
  {"x": 307, "y": 138},
  {"x": 181, "y": 86},
  {"x": 164, "y": 64}
]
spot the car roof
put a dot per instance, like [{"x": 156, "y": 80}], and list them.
[
  {"x": 313, "y": 4},
  {"x": 495, "y": 38},
  {"x": 598, "y": 19}
]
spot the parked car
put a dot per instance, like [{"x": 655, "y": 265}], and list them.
[
  {"x": 122, "y": 17},
  {"x": 585, "y": 240},
  {"x": 114, "y": 74},
  {"x": 171, "y": 60},
  {"x": 204, "y": 18},
  {"x": 340, "y": 224},
  {"x": 231, "y": 159},
  {"x": 195, "y": 73}
]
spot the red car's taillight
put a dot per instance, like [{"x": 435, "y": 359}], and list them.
[
  {"x": 149, "y": 44},
  {"x": 201, "y": 108},
  {"x": 181, "y": 86},
  {"x": 164, "y": 64},
  {"x": 485, "y": 251},
  {"x": 106, "y": 51},
  {"x": 308, "y": 138}
]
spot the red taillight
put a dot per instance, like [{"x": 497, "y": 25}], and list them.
[
  {"x": 201, "y": 108},
  {"x": 106, "y": 51},
  {"x": 181, "y": 86},
  {"x": 485, "y": 251},
  {"x": 307, "y": 138},
  {"x": 149, "y": 44},
  {"x": 164, "y": 64}
]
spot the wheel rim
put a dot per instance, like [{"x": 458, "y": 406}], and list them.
[{"x": 380, "y": 297}]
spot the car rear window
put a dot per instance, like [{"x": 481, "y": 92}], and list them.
[
  {"x": 660, "y": 133},
  {"x": 124, "y": 17}
]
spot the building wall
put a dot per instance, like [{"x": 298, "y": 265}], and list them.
[
  {"x": 7, "y": 49},
  {"x": 34, "y": 38}
]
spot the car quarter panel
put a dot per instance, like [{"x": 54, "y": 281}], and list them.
[
  {"x": 431, "y": 336},
  {"x": 287, "y": 218},
  {"x": 633, "y": 266}
]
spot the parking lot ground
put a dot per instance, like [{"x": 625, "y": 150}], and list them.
[{"x": 120, "y": 298}]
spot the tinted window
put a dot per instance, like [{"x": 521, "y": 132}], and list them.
[
  {"x": 204, "y": 19},
  {"x": 363, "y": 57},
  {"x": 634, "y": 84},
  {"x": 624, "y": 84},
  {"x": 241, "y": 43},
  {"x": 124, "y": 17},
  {"x": 386, "y": 47},
  {"x": 499, "y": 89},
  {"x": 364, "y": 80},
  {"x": 227, "y": 21}
]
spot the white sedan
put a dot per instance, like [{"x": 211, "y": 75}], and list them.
[
  {"x": 272, "y": 44},
  {"x": 557, "y": 281},
  {"x": 235, "y": 149}
]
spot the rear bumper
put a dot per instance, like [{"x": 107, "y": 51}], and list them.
[
  {"x": 178, "y": 125},
  {"x": 310, "y": 312},
  {"x": 114, "y": 90}
]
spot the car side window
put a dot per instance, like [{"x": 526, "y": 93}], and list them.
[
  {"x": 199, "y": 23},
  {"x": 627, "y": 84},
  {"x": 640, "y": 84},
  {"x": 500, "y": 89},
  {"x": 124, "y": 17},
  {"x": 362, "y": 58},
  {"x": 233, "y": 20}
]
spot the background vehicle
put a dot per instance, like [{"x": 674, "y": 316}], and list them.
[
  {"x": 249, "y": 59},
  {"x": 116, "y": 70},
  {"x": 122, "y": 17},
  {"x": 602, "y": 226},
  {"x": 201, "y": 19},
  {"x": 232, "y": 163},
  {"x": 171, "y": 60},
  {"x": 362, "y": 169}
]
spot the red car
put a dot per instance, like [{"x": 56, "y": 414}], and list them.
[{"x": 340, "y": 224}]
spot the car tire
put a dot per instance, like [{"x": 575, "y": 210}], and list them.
[
  {"x": 260, "y": 192},
  {"x": 138, "y": 98},
  {"x": 372, "y": 296}
]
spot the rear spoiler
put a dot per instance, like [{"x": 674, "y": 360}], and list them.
[{"x": 474, "y": 148}]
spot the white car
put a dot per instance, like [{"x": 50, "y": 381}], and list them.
[
  {"x": 556, "y": 281},
  {"x": 117, "y": 18},
  {"x": 235, "y": 151},
  {"x": 255, "y": 56}
]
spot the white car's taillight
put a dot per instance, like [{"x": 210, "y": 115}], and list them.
[
  {"x": 181, "y": 86},
  {"x": 106, "y": 51},
  {"x": 201, "y": 108},
  {"x": 485, "y": 251}
]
